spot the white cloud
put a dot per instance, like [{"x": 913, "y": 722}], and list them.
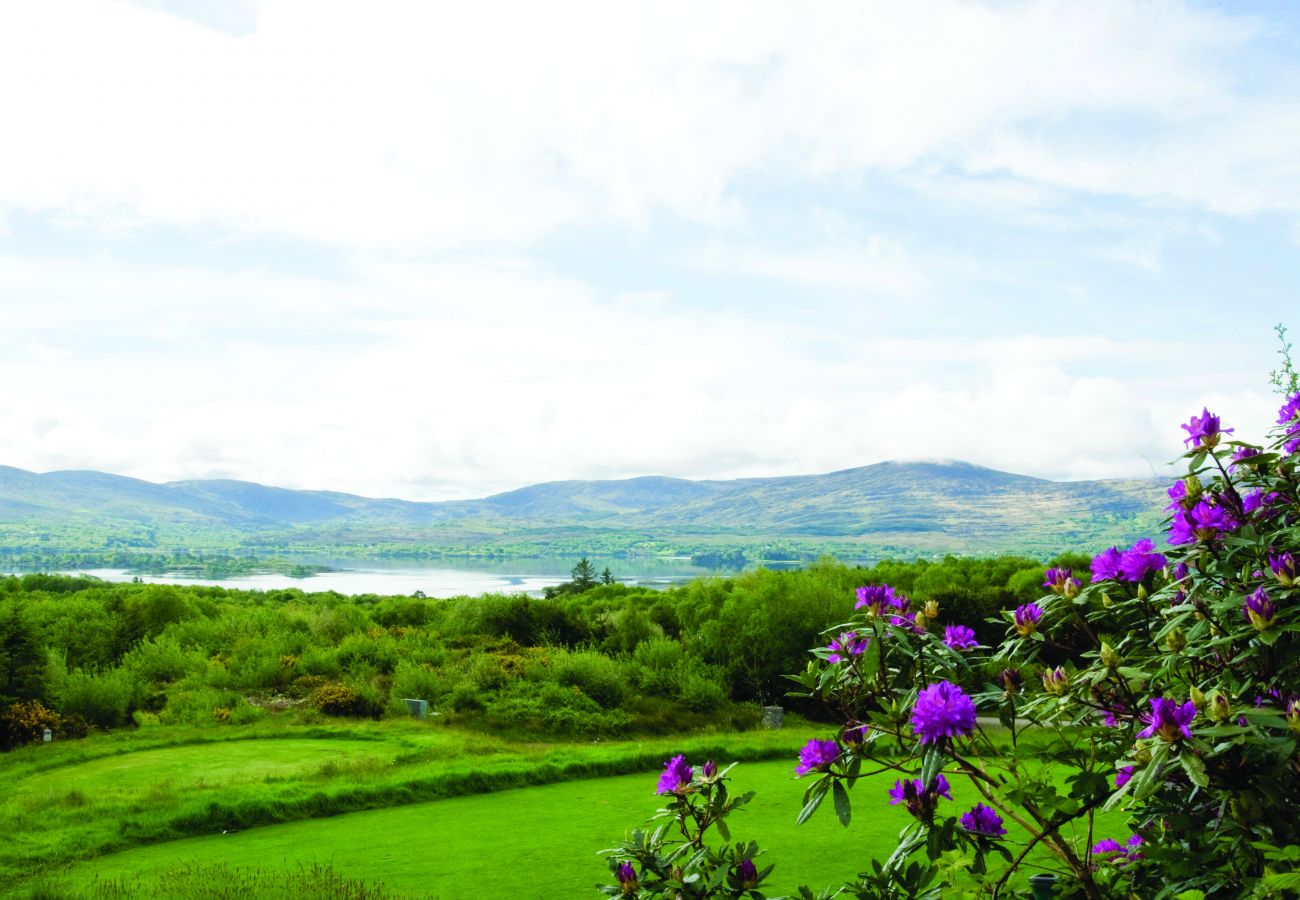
[
  {"x": 411, "y": 125},
  {"x": 480, "y": 376}
]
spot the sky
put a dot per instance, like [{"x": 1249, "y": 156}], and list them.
[{"x": 436, "y": 251}]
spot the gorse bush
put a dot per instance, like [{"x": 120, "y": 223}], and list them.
[{"x": 1169, "y": 687}]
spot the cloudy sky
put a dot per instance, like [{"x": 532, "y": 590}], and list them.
[{"x": 417, "y": 250}]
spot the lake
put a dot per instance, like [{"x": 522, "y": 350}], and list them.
[{"x": 443, "y": 579}]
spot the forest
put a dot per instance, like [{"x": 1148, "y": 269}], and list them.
[{"x": 77, "y": 654}]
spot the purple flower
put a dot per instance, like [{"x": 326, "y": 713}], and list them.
[
  {"x": 1284, "y": 569},
  {"x": 817, "y": 755},
  {"x": 959, "y": 637},
  {"x": 1123, "y": 776},
  {"x": 1180, "y": 571},
  {"x": 1202, "y": 523},
  {"x": 1139, "y": 559},
  {"x": 1205, "y": 431},
  {"x": 1117, "y": 853},
  {"x": 942, "y": 710},
  {"x": 747, "y": 873},
  {"x": 1026, "y": 619},
  {"x": 1241, "y": 454},
  {"x": 921, "y": 802},
  {"x": 1105, "y": 565},
  {"x": 1107, "y": 845},
  {"x": 1291, "y": 447},
  {"x": 1290, "y": 409},
  {"x": 709, "y": 770},
  {"x": 983, "y": 820},
  {"x": 1168, "y": 720},
  {"x": 1252, "y": 501},
  {"x": 846, "y": 645},
  {"x": 1114, "y": 715},
  {"x": 676, "y": 777},
  {"x": 878, "y": 599},
  {"x": 1177, "y": 493},
  {"x": 1259, "y": 610},
  {"x": 626, "y": 877}
]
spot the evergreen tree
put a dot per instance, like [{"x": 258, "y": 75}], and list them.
[
  {"x": 22, "y": 663},
  {"x": 583, "y": 575}
]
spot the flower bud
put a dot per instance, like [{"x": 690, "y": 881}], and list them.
[
  {"x": 920, "y": 620},
  {"x": 1010, "y": 681},
  {"x": 931, "y": 609},
  {"x": 747, "y": 874},
  {"x": 1198, "y": 697},
  {"x": 1176, "y": 640},
  {"x": 709, "y": 771},
  {"x": 1106, "y": 601},
  {"x": 1055, "y": 681},
  {"x": 1293, "y": 716},
  {"x": 627, "y": 881},
  {"x": 1142, "y": 592},
  {"x": 1143, "y": 755},
  {"x": 1194, "y": 487},
  {"x": 1220, "y": 707},
  {"x": 1109, "y": 658}
]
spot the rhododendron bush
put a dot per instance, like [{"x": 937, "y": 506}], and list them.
[{"x": 1165, "y": 683}]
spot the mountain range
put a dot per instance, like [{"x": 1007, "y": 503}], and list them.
[{"x": 906, "y": 506}]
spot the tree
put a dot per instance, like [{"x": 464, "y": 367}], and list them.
[
  {"x": 22, "y": 663},
  {"x": 583, "y": 575}
]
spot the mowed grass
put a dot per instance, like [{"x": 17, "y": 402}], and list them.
[
  {"x": 82, "y": 799},
  {"x": 537, "y": 842}
]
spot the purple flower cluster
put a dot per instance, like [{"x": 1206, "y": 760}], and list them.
[
  {"x": 1259, "y": 610},
  {"x": 880, "y": 599},
  {"x": 959, "y": 637},
  {"x": 1168, "y": 720},
  {"x": 1289, "y": 415},
  {"x": 1204, "y": 522},
  {"x": 817, "y": 756},
  {"x": 676, "y": 777},
  {"x": 1204, "y": 431},
  {"x": 941, "y": 711},
  {"x": 921, "y": 801},
  {"x": 1118, "y": 853},
  {"x": 1026, "y": 619},
  {"x": 1131, "y": 565},
  {"x": 846, "y": 645},
  {"x": 983, "y": 820}
]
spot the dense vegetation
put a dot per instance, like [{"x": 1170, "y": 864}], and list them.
[{"x": 77, "y": 653}]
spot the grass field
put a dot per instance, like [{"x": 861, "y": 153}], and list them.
[{"x": 425, "y": 811}]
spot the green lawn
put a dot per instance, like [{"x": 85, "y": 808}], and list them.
[{"x": 538, "y": 842}]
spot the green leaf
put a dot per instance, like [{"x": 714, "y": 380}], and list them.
[
  {"x": 1283, "y": 881},
  {"x": 816, "y": 794},
  {"x": 1194, "y": 766},
  {"x": 1151, "y": 777},
  {"x": 843, "y": 808},
  {"x": 931, "y": 763},
  {"x": 871, "y": 660}
]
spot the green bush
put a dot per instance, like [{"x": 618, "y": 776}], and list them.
[
  {"x": 595, "y": 674},
  {"x": 103, "y": 700}
]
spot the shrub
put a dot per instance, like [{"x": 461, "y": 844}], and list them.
[
  {"x": 103, "y": 700},
  {"x": 338, "y": 699},
  {"x": 26, "y": 721},
  {"x": 595, "y": 674}
]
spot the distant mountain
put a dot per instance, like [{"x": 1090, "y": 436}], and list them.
[{"x": 922, "y": 506}]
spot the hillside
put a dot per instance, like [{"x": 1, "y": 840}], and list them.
[{"x": 922, "y": 506}]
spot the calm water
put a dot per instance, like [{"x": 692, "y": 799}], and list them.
[{"x": 530, "y": 576}]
